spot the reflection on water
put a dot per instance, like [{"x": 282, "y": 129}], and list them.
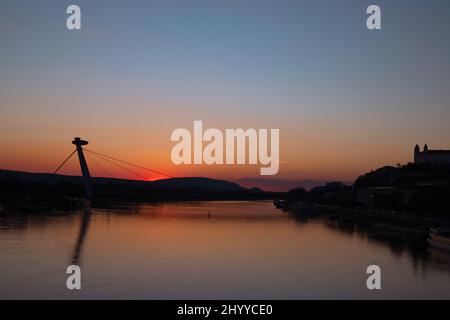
[
  {"x": 206, "y": 250},
  {"x": 85, "y": 220}
]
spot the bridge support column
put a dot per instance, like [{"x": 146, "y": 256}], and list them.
[{"x": 84, "y": 168}]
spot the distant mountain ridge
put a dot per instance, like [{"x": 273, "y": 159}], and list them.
[
  {"x": 279, "y": 185},
  {"x": 208, "y": 184},
  {"x": 214, "y": 185},
  {"x": 201, "y": 183}
]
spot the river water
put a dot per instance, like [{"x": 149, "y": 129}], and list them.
[{"x": 209, "y": 250}]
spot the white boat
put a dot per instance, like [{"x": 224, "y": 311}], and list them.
[{"x": 440, "y": 238}]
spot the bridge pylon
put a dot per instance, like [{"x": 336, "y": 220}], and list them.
[{"x": 78, "y": 142}]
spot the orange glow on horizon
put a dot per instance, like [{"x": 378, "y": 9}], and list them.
[{"x": 332, "y": 152}]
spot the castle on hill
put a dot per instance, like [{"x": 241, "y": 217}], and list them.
[{"x": 431, "y": 156}]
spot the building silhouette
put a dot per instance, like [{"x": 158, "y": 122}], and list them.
[{"x": 431, "y": 156}]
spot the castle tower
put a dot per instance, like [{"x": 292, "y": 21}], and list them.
[
  {"x": 416, "y": 153},
  {"x": 434, "y": 157},
  {"x": 425, "y": 155}
]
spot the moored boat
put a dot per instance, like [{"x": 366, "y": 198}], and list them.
[{"x": 440, "y": 238}]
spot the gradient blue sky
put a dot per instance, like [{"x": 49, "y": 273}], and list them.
[{"x": 346, "y": 99}]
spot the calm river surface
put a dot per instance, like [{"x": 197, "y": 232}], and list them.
[{"x": 209, "y": 250}]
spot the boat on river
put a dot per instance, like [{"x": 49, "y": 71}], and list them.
[{"x": 440, "y": 238}]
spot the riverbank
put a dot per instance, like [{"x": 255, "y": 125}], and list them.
[
  {"x": 409, "y": 224},
  {"x": 29, "y": 203},
  {"x": 24, "y": 191}
]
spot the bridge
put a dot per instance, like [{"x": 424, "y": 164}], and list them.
[{"x": 80, "y": 151}]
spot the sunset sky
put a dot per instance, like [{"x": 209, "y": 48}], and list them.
[{"x": 346, "y": 99}]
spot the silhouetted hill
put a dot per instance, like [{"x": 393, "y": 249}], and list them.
[
  {"x": 278, "y": 185},
  {"x": 256, "y": 189},
  {"x": 20, "y": 188},
  {"x": 172, "y": 183},
  {"x": 8, "y": 176},
  {"x": 200, "y": 183},
  {"x": 414, "y": 188},
  {"x": 410, "y": 175}
]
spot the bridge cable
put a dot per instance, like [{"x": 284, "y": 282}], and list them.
[
  {"x": 117, "y": 165},
  {"x": 91, "y": 157},
  {"x": 64, "y": 162},
  {"x": 131, "y": 164}
]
